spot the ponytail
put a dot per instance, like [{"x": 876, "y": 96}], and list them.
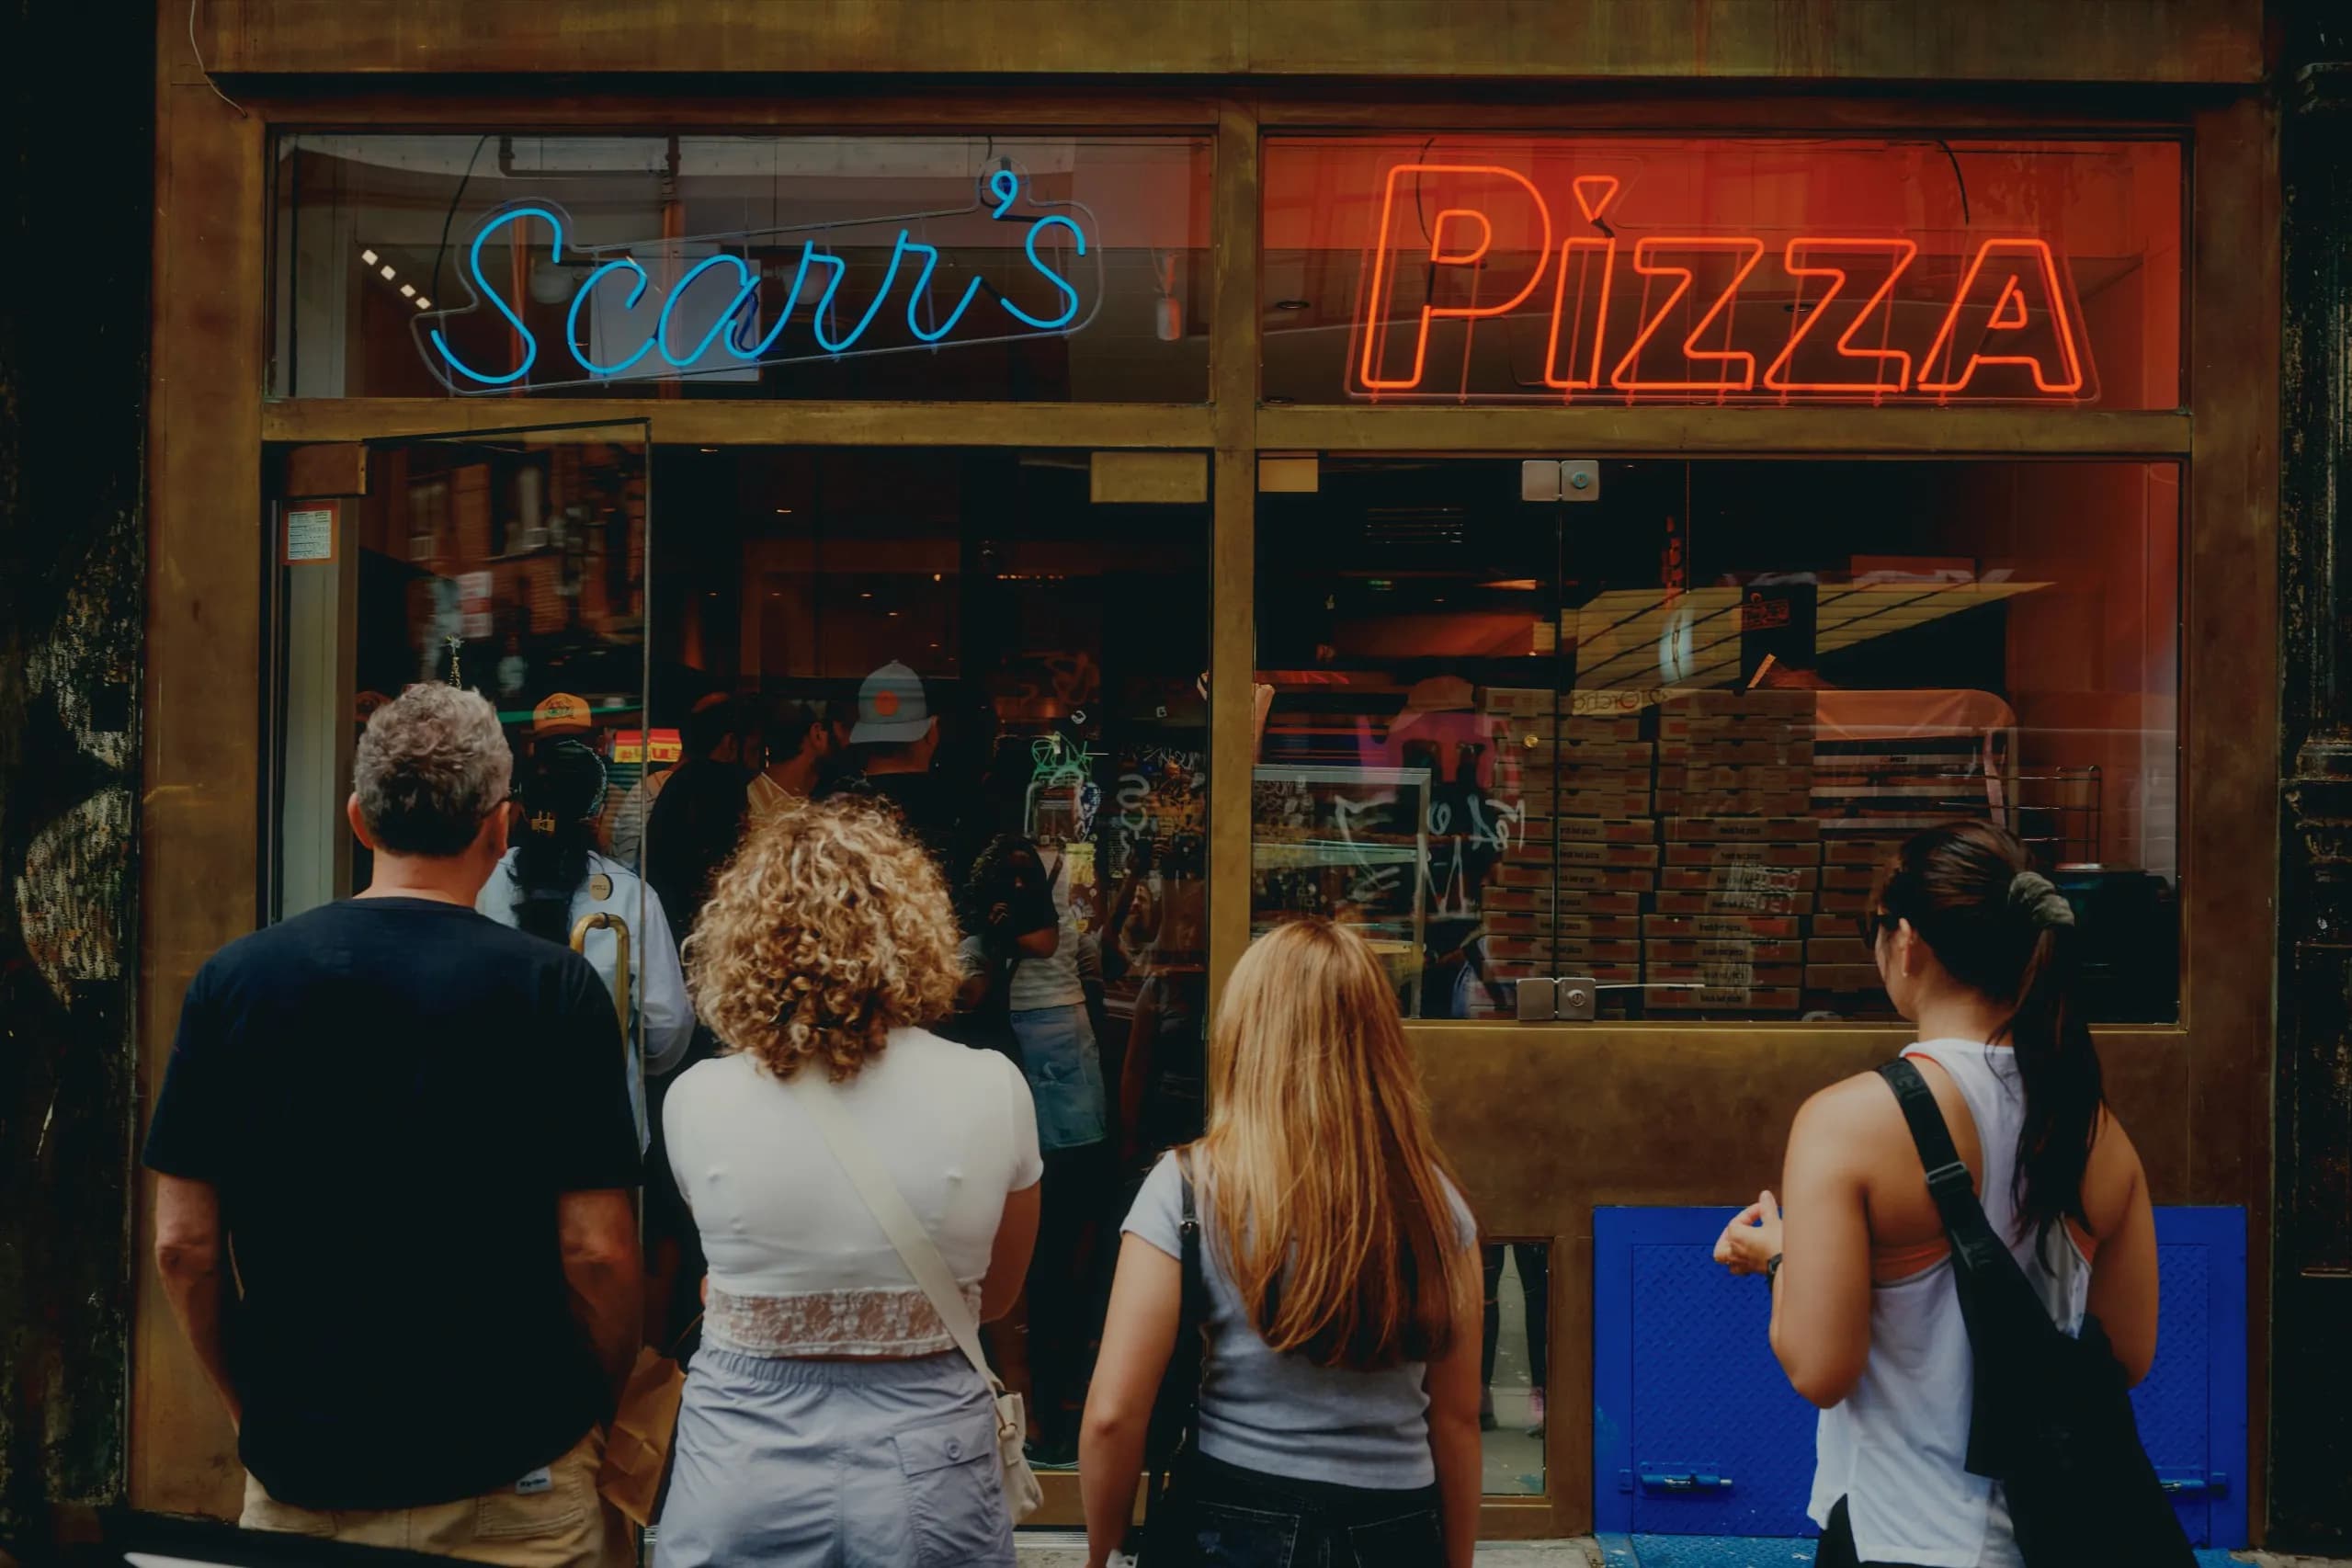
[
  {"x": 2057, "y": 1064},
  {"x": 562, "y": 794},
  {"x": 2002, "y": 928}
]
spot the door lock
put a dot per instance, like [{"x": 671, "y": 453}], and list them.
[
  {"x": 1560, "y": 478},
  {"x": 1571, "y": 997}
]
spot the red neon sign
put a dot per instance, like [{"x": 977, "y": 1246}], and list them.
[{"x": 1463, "y": 249}]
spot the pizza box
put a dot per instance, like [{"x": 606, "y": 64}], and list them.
[
  {"x": 1733, "y": 902},
  {"x": 1591, "y": 901},
  {"x": 1611, "y": 830},
  {"x": 1730, "y": 803},
  {"x": 1600, "y": 852},
  {"x": 1843, "y": 977},
  {"x": 1720, "y": 830},
  {"x": 1727, "y": 973},
  {"x": 1692, "y": 773},
  {"x": 1716, "y": 751},
  {"x": 1822, "y": 949},
  {"x": 1582, "y": 951},
  {"x": 1738, "y": 877},
  {"x": 1861, "y": 878},
  {"x": 1711, "y": 928},
  {"x": 1673, "y": 726},
  {"x": 1726, "y": 949},
  {"x": 1607, "y": 879},
  {"x": 1786, "y": 856},
  {"x": 1845, "y": 901},
  {"x": 1846, "y": 849}
]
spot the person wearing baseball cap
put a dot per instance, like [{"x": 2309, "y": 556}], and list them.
[{"x": 895, "y": 739}]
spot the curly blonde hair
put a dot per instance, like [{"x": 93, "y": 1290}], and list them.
[{"x": 827, "y": 930}]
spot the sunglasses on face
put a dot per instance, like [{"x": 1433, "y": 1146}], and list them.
[{"x": 1876, "y": 924}]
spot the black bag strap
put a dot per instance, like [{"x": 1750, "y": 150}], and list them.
[
  {"x": 1975, "y": 1246},
  {"x": 1187, "y": 1362}
]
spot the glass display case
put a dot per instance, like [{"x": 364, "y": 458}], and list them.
[{"x": 1350, "y": 843}]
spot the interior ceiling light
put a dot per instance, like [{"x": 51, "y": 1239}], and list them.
[
  {"x": 1290, "y": 305},
  {"x": 423, "y": 303},
  {"x": 369, "y": 257},
  {"x": 389, "y": 271},
  {"x": 408, "y": 290}
]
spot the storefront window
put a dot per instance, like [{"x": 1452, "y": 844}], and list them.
[
  {"x": 1723, "y": 270},
  {"x": 1662, "y": 733},
  {"x": 990, "y": 640},
  {"x": 1005, "y": 269}
]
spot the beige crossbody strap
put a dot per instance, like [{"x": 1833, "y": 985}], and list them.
[{"x": 915, "y": 1247}]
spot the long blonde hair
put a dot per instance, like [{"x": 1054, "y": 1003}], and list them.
[
  {"x": 1334, "y": 1212},
  {"x": 827, "y": 930}
]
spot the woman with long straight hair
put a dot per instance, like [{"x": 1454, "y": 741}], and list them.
[
  {"x": 1976, "y": 949},
  {"x": 1339, "y": 1385}
]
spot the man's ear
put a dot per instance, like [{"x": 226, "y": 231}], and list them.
[{"x": 359, "y": 823}]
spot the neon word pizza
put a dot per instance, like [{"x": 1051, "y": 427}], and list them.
[
  {"x": 1580, "y": 309},
  {"x": 721, "y": 305}
]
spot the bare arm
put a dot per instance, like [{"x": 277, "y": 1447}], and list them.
[
  {"x": 597, "y": 1233},
  {"x": 194, "y": 1262},
  {"x": 1139, "y": 1336},
  {"x": 1821, "y": 1301},
  {"x": 2123, "y": 1275},
  {"x": 1008, "y": 1258},
  {"x": 1454, "y": 1386}
]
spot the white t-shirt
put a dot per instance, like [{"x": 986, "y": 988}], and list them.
[
  {"x": 1052, "y": 981},
  {"x": 799, "y": 1265}
]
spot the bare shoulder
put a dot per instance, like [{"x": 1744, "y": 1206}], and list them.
[
  {"x": 2113, "y": 1177},
  {"x": 1847, "y": 1123}
]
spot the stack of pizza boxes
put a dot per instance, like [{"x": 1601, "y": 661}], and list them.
[
  {"x": 1742, "y": 854},
  {"x": 1569, "y": 894},
  {"x": 1841, "y": 976}
]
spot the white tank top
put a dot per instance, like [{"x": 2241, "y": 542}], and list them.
[{"x": 1895, "y": 1447}]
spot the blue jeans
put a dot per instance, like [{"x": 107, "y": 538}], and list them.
[
  {"x": 1065, "y": 1073},
  {"x": 1233, "y": 1517}
]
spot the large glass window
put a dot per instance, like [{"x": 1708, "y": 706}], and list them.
[
  {"x": 1008, "y": 269},
  {"x": 1722, "y": 269},
  {"x": 1663, "y": 735}
]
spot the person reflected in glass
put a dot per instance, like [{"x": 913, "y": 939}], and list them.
[
  {"x": 796, "y": 757},
  {"x": 1535, "y": 1293},
  {"x": 1976, "y": 950},
  {"x": 828, "y": 1417},
  {"x": 1339, "y": 1388},
  {"x": 554, "y": 877}
]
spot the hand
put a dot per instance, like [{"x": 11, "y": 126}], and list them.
[
  {"x": 999, "y": 912},
  {"x": 1752, "y": 1238}
]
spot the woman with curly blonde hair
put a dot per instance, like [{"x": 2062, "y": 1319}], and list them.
[{"x": 828, "y": 1417}]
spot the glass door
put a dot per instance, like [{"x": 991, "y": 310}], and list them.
[{"x": 509, "y": 563}]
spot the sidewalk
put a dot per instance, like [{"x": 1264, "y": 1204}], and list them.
[{"x": 1066, "y": 1549}]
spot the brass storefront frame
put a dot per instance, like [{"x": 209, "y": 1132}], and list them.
[{"x": 1664, "y": 1113}]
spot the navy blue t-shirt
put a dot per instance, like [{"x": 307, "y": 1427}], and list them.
[{"x": 389, "y": 1094}]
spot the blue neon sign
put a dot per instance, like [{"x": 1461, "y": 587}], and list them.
[{"x": 708, "y": 320}]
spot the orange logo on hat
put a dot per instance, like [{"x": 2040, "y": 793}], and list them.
[{"x": 885, "y": 704}]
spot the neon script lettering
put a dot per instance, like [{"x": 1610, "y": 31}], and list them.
[
  {"x": 709, "y": 320},
  {"x": 1724, "y": 317}
]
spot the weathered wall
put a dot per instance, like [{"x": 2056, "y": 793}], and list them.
[
  {"x": 77, "y": 160},
  {"x": 2310, "y": 1446}
]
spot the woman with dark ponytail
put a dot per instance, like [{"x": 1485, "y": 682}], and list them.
[
  {"x": 553, "y": 877},
  {"x": 1977, "y": 950}
]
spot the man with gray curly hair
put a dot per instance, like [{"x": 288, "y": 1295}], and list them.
[{"x": 410, "y": 1126}]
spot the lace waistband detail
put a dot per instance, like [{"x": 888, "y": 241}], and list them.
[{"x": 898, "y": 1320}]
